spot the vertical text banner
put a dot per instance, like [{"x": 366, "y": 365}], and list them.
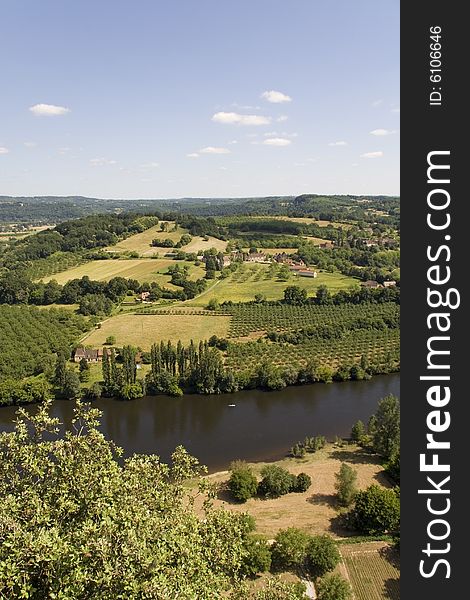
[{"x": 435, "y": 272}]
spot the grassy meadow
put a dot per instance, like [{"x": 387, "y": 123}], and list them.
[
  {"x": 142, "y": 269},
  {"x": 141, "y": 242},
  {"x": 144, "y": 330},
  {"x": 315, "y": 510}
]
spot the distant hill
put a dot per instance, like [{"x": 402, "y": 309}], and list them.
[{"x": 40, "y": 210}]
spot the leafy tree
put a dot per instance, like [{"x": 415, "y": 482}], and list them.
[
  {"x": 386, "y": 436},
  {"x": 71, "y": 388},
  {"x": 376, "y": 510},
  {"x": 131, "y": 391},
  {"x": 258, "y": 555},
  {"x": 358, "y": 432},
  {"x": 289, "y": 548},
  {"x": 83, "y": 365},
  {"x": 333, "y": 587},
  {"x": 60, "y": 370},
  {"x": 323, "y": 295},
  {"x": 346, "y": 484},
  {"x": 242, "y": 483},
  {"x": 322, "y": 555},
  {"x": 213, "y": 304},
  {"x": 276, "y": 481},
  {"x": 260, "y": 298},
  {"x": 295, "y": 295},
  {"x": 94, "y": 392},
  {"x": 392, "y": 468},
  {"x": 303, "y": 482},
  {"x": 110, "y": 340},
  {"x": 79, "y": 523}
]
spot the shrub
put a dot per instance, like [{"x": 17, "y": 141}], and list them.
[
  {"x": 289, "y": 548},
  {"x": 298, "y": 450},
  {"x": 346, "y": 484},
  {"x": 358, "y": 432},
  {"x": 333, "y": 587},
  {"x": 258, "y": 558},
  {"x": 376, "y": 510},
  {"x": 322, "y": 555},
  {"x": 277, "y": 589},
  {"x": 242, "y": 483},
  {"x": 110, "y": 340},
  {"x": 303, "y": 482},
  {"x": 276, "y": 481}
]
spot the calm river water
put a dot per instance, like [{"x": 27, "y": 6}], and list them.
[{"x": 261, "y": 425}]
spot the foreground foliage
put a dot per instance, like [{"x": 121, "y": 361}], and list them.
[{"x": 77, "y": 523}]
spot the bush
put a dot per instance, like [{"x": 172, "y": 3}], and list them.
[
  {"x": 110, "y": 340},
  {"x": 358, "y": 432},
  {"x": 276, "y": 482},
  {"x": 333, "y": 587},
  {"x": 258, "y": 558},
  {"x": 298, "y": 450},
  {"x": 346, "y": 484},
  {"x": 392, "y": 468},
  {"x": 322, "y": 555},
  {"x": 304, "y": 481},
  {"x": 277, "y": 589},
  {"x": 289, "y": 549},
  {"x": 376, "y": 510},
  {"x": 242, "y": 483}
]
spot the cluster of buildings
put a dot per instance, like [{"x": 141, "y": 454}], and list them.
[
  {"x": 375, "y": 284},
  {"x": 297, "y": 266}
]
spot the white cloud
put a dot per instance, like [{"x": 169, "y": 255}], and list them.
[
  {"x": 4, "y": 150},
  {"x": 214, "y": 150},
  {"x": 275, "y": 97},
  {"x": 382, "y": 132},
  {"x": 282, "y": 118},
  {"x": 340, "y": 143},
  {"x": 395, "y": 110},
  {"x": 30, "y": 144},
  {"x": 232, "y": 118},
  {"x": 193, "y": 155},
  {"x": 101, "y": 162},
  {"x": 150, "y": 165},
  {"x": 233, "y": 142},
  {"x": 377, "y": 154},
  {"x": 377, "y": 103},
  {"x": 48, "y": 110},
  {"x": 277, "y": 142}
]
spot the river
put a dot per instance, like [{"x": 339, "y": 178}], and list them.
[{"x": 261, "y": 425}]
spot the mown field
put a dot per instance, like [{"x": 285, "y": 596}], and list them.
[
  {"x": 315, "y": 510},
  {"x": 252, "y": 279},
  {"x": 144, "y": 330},
  {"x": 149, "y": 269},
  {"x": 141, "y": 242},
  {"x": 373, "y": 570}
]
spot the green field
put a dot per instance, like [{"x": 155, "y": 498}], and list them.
[
  {"x": 373, "y": 571},
  {"x": 141, "y": 242},
  {"x": 251, "y": 279},
  {"x": 142, "y": 269},
  {"x": 144, "y": 330}
]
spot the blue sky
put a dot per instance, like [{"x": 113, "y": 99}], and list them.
[{"x": 165, "y": 99}]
